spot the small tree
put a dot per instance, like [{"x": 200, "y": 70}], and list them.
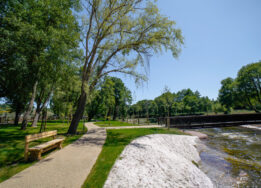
[{"x": 227, "y": 93}]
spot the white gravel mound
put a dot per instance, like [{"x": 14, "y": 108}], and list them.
[{"x": 159, "y": 161}]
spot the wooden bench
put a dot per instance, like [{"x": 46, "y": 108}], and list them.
[{"x": 36, "y": 151}]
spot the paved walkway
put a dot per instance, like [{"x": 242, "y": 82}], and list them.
[
  {"x": 68, "y": 167},
  {"x": 64, "y": 168}
]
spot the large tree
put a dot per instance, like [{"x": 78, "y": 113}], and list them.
[
  {"x": 249, "y": 86},
  {"x": 38, "y": 38},
  {"x": 244, "y": 91},
  {"x": 118, "y": 36},
  {"x": 16, "y": 44}
]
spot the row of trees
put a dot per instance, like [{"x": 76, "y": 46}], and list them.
[
  {"x": 41, "y": 61},
  {"x": 169, "y": 104},
  {"x": 243, "y": 92},
  {"x": 39, "y": 41}
]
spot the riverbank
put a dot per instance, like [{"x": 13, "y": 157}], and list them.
[
  {"x": 159, "y": 161},
  {"x": 231, "y": 157}
]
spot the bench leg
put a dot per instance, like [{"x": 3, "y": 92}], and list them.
[
  {"x": 60, "y": 145},
  {"x": 39, "y": 156},
  {"x": 36, "y": 155}
]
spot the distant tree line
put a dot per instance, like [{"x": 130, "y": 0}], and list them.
[
  {"x": 242, "y": 93},
  {"x": 184, "y": 102}
]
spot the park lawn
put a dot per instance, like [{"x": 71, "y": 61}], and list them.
[
  {"x": 116, "y": 141},
  {"x": 12, "y": 141},
  {"x": 113, "y": 124}
]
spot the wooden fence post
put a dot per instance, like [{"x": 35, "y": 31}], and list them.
[{"x": 168, "y": 122}]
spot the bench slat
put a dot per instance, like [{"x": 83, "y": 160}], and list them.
[
  {"x": 46, "y": 144},
  {"x": 33, "y": 137}
]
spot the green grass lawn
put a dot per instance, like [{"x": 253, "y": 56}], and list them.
[
  {"x": 12, "y": 141},
  {"x": 114, "y": 145},
  {"x": 113, "y": 124}
]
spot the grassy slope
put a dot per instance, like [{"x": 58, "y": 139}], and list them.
[
  {"x": 12, "y": 146},
  {"x": 114, "y": 145},
  {"x": 113, "y": 124}
]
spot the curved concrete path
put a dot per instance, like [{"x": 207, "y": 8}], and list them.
[
  {"x": 68, "y": 167},
  {"x": 64, "y": 168}
]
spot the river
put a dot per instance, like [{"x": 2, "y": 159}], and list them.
[{"x": 231, "y": 156}]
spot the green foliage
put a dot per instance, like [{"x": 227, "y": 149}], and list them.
[
  {"x": 227, "y": 92},
  {"x": 245, "y": 91},
  {"x": 66, "y": 94},
  {"x": 110, "y": 99},
  {"x": 217, "y": 107},
  {"x": 168, "y": 104},
  {"x": 116, "y": 29},
  {"x": 38, "y": 38},
  {"x": 249, "y": 85},
  {"x": 120, "y": 36},
  {"x": 115, "y": 143},
  {"x": 144, "y": 108}
]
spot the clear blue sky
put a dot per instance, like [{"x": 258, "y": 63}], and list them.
[{"x": 220, "y": 37}]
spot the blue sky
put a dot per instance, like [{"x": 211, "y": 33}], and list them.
[{"x": 220, "y": 37}]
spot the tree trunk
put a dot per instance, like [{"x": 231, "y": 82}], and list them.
[
  {"x": 29, "y": 110},
  {"x": 36, "y": 118},
  {"x": 39, "y": 108},
  {"x": 115, "y": 113},
  {"x": 78, "y": 114},
  {"x": 44, "y": 120},
  {"x": 90, "y": 116},
  {"x": 17, "y": 117},
  {"x": 42, "y": 123}
]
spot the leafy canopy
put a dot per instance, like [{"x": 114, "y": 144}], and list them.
[{"x": 120, "y": 35}]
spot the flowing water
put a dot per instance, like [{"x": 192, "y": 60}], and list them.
[{"x": 231, "y": 157}]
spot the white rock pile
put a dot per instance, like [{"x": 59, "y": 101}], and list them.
[{"x": 159, "y": 161}]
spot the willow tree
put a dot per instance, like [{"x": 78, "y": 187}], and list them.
[{"x": 120, "y": 36}]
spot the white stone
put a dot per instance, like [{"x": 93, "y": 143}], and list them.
[{"x": 159, "y": 160}]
